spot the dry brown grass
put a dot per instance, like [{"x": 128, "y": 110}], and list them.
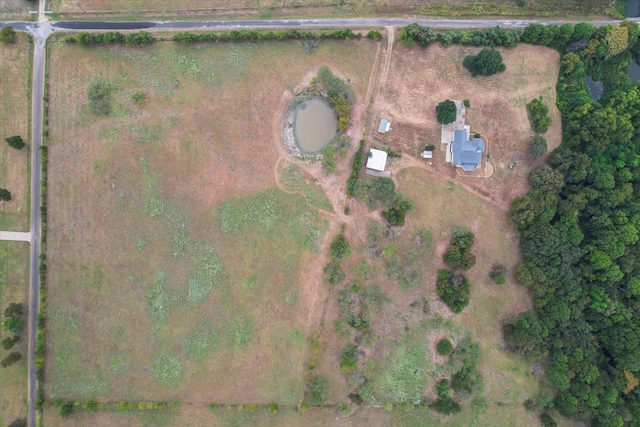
[
  {"x": 498, "y": 108},
  {"x": 14, "y": 287},
  {"x": 210, "y": 131},
  {"x": 15, "y": 69},
  {"x": 269, "y": 8}
]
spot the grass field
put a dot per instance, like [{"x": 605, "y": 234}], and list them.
[
  {"x": 14, "y": 287},
  {"x": 274, "y": 8},
  {"x": 15, "y": 81},
  {"x": 177, "y": 268},
  {"x": 16, "y": 9}
]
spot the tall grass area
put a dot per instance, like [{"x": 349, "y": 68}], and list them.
[
  {"x": 14, "y": 288},
  {"x": 293, "y": 178}
]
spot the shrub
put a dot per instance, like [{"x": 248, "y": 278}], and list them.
[
  {"x": 349, "y": 358},
  {"x": 458, "y": 254},
  {"x": 466, "y": 103},
  {"x": 8, "y": 35},
  {"x": 14, "y": 310},
  {"x": 345, "y": 409},
  {"x": 316, "y": 391},
  {"x": 15, "y": 141},
  {"x": 446, "y": 406},
  {"x": 547, "y": 421},
  {"x": 213, "y": 406},
  {"x": 5, "y": 195},
  {"x": 335, "y": 151},
  {"x": 347, "y": 210},
  {"x": 453, "y": 290},
  {"x": 273, "y": 408},
  {"x": 91, "y": 405},
  {"x": 497, "y": 270},
  {"x": 20, "y": 422},
  {"x": 444, "y": 347},
  {"x": 446, "y": 112},
  {"x": 395, "y": 214},
  {"x": 374, "y": 35},
  {"x": 13, "y": 325},
  {"x": 339, "y": 248},
  {"x": 486, "y": 63},
  {"x": 500, "y": 279},
  {"x": 66, "y": 409},
  {"x": 538, "y": 116},
  {"x": 138, "y": 98},
  {"x": 9, "y": 342},
  {"x": 443, "y": 389},
  {"x": 538, "y": 147},
  {"x": 333, "y": 273}
]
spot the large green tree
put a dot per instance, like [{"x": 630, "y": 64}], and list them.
[
  {"x": 446, "y": 112},
  {"x": 486, "y": 63},
  {"x": 15, "y": 141}
]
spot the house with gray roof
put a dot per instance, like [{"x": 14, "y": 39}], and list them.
[{"x": 466, "y": 153}]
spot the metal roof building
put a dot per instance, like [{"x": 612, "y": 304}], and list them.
[
  {"x": 465, "y": 153},
  {"x": 384, "y": 126},
  {"x": 377, "y": 160}
]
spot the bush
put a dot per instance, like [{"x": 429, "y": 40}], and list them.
[
  {"x": 446, "y": 406},
  {"x": 497, "y": 270},
  {"x": 91, "y": 405},
  {"x": 333, "y": 274},
  {"x": 345, "y": 409},
  {"x": 466, "y": 103},
  {"x": 443, "y": 389},
  {"x": 547, "y": 421},
  {"x": 213, "y": 406},
  {"x": 349, "y": 358},
  {"x": 453, "y": 290},
  {"x": 5, "y": 195},
  {"x": 444, "y": 347},
  {"x": 10, "y": 359},
  {"x": 8, "y": 35},
  {"x": 446, "y": 112},
  {"x": 13, "y": 325},
  {"x": 374, "y": 35},
  {"x": 273, "y": 408},
  {"x": 138, "y": 98},
  {"x": 335, "y": 151},
  {"x": 15, "y": 141},
  {"x": 316, "y": 391},
  {"x": 20, "y": 422},
  {"x": 9, "y": 342},
  {"x": 538, "y": 147},
  {"x": 538, "y": 116},
  {"x": 14, "y": 310},
  {"x": 486, "y": 63},
  {"x": 66, "y": 409},
  {"x": 395, "y": 214},
  {"x": 499, "y": 279},
  {"x": 339, "y": 248}
]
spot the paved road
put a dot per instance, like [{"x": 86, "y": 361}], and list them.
[
  {"x": 16, "y": 236},
  {"x": 42, "y": 29}
]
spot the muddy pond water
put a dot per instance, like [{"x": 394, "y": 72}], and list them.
[{"x": 315, "y": 125}]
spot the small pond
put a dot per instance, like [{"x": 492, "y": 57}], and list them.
[
  {"x": 634, "y": 71},
  {"x": 632, "y": 9},
  {"x": 315, "y": 125}
]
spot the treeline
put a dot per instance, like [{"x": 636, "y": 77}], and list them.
[
  {"x": 109, "y": 38},
  {"x": 293, "y": 34},
  {"x": 539, "y": 34},
  {"x": 580, "y": 227}
]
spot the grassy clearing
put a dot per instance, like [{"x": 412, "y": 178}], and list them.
[
  {"x": 272, "y": 8},
  {"x": 14, "y": 287},
  {"x": 177, "y": 266},
  {"x": 15, "y": 70},
  {"x": 293, "y": 178}
]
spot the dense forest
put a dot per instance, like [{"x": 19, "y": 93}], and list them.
[{"x": 579, "y": 225}]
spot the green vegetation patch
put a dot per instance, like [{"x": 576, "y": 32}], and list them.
[
  {"x": 293, "y": 178},
  {"x": 167, "y": 368}
]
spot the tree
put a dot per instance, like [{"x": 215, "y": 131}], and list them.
[
  {"x": 538, "y": 147},
  {"x": 486, "y": 63},
  {"x": 453, "y": 290},
  {"x": 14, "y": 310},
  {"x": 446, "y": 112},
  {"x": 349, "y": 358},
  {"x": 10, "y": 359},
  {"x": 9, "y": 342},
  {"x": 13, "y": 325},
  {"x": 5, "y": 195},
  {"x": 444, "y": 347},
  {"x": 340, "y": 248},
  {"x": 15, "y": 141},
  {"x": 374, "y": 35},
  {"x": 526, "y": 333},
  {"x": 538, "y": 115},
  {"x": 8, "y": 35}
]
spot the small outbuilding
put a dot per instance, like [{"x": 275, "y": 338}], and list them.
[
  {"x": 426, "y": 154},
  {"x": 385, "y": 126},
  {"x": 377, "y": 160}
]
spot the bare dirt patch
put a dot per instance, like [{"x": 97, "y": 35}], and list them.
[{"x": 498, "y": 109}]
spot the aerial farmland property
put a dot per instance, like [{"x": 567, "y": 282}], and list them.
[{"x": 318, "y": 226}]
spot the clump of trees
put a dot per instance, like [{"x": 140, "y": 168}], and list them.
[
  {"x": 446, "y": 112},
  {"x": 453, "y": 289},
  {"x": 339, "y": 93},
  {"x": 538, "y": 110},
  {"x": 339, "y": 250},
  {"x": 8, "y": 35},
  {"x": 486, "y": 63},
  {"x": 12, "y": 324},
  {"x": 538, "y": 146},
  {"x": 15, "y": 141},
  {"x": 381, "y": 192},
  {"x": 458, "y": 254},
  {"x": 334, "y": 151}
]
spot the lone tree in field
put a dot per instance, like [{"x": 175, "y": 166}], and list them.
[
  {"x": 5, "y": 195},
  {"x": 15, "y": 141},
  {"x": 486, "y": 63},
  {"x": 446, "y": 112},
  {"x": 7, "y": 35}
]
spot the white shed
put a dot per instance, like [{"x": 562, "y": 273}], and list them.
[{"x": 377, "y": 160}]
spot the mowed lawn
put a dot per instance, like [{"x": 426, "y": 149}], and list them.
[
  {"x": 15, "y": 102},
  {"x": 176, "y": 266},
  {"x": 14, "y": 288}
]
